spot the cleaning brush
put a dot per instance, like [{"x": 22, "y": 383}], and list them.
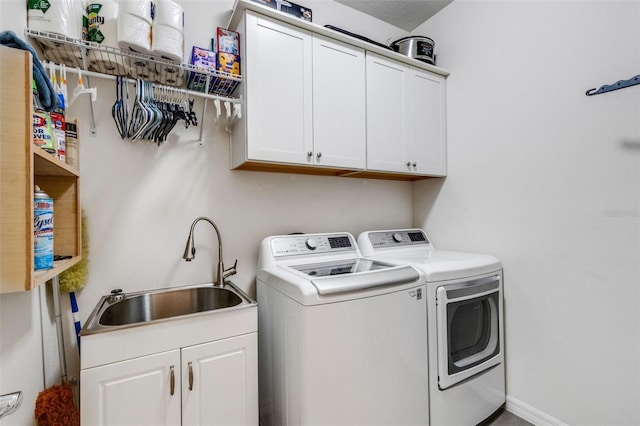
[{"x": 75, "y": 277}]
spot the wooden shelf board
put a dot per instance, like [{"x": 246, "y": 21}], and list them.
[
  {"x": 46, "y": 164},
  {"x": 40, "y": 277}
]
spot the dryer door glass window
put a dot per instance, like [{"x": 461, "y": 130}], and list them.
[
  {"x": 473, "y": 332},
  {"x": 468, "y": 328}
]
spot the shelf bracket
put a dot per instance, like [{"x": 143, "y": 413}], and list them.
[{"x": 93, "y": 132}]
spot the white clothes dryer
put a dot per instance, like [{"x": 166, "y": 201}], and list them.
[
  {"x": 342, "y": 339},
  {"x": 465, "y": 323}
]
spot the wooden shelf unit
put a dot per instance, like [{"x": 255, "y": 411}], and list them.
[{"x": 24, "y": 165}]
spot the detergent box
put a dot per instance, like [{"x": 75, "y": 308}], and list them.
[
  {"x": 228, "y": 62},
  {"x": 226, "y": 41},
  {"x": 204, "y": 60}
]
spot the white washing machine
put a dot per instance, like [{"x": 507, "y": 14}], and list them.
[
  {"x": 342, "y": 339},
  {"x": 465, "y": 323}
]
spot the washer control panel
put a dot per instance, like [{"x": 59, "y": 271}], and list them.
[
  {"x": 303, "y": 244},
  {"x": 410, "y": 237}
]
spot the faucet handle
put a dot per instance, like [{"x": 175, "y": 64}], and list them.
[{"x": 230, "y": 271}]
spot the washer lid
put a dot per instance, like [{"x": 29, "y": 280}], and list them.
[
  {"x": 355, "y": 274},
  {"x": 342, "y": 267}
]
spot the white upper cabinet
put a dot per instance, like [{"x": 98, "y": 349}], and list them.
[
  {"x": 427, "y": 127},
  {"x": 339, "y": 137},
  {"x": 305, "y": 98},
  {"x": 277, "y": 66},
  {"x": 318, "y": 101},
  {"x": 406, "y": 118},
  {"x": 387, "y": 109}
]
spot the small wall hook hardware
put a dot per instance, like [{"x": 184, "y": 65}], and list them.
[{"x": 615, "y": 86}]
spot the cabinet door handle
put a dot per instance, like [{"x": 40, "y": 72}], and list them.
[
  {"x": 172, "y": 380},
  {"x": 319, "y": 155},
  {"x": 414, "y": 164},
  {"x": 309, "y": 154},
  {"x": 190, "y": 376},
  {"x": 408, "y": 163}
]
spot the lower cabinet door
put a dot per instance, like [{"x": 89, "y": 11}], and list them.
[
  {"x": 220, "y": 382},
  {"x": 142, "y": 391}
]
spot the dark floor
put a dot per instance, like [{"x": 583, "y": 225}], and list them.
[{"x": 505, "y": 418}]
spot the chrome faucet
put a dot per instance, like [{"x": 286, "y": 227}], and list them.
[{"x": 190, "y": 253}]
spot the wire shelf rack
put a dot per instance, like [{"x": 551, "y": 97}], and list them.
[{"x": 94, "y": 57}]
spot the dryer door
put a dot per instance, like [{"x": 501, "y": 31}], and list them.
[{"x": 469, "y": 316}]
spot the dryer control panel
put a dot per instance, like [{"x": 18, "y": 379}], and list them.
[
  {"x": 312, "y": 244},
  {"x": 395, "y": 238}
]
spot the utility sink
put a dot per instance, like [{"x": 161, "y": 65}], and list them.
[{"x": 120, "y": 310}]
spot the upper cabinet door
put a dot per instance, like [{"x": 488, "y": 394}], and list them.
[
  {"x": 278, "y": 68},
  {"x": 427, "y": 126},
  {"x": 386, "y": 87},
  {"x": 339, "y": 128}
]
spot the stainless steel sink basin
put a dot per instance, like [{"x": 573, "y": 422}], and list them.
[{"x": 126, "y": 310}]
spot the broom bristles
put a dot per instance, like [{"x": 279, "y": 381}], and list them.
[
  {"x": 55, "y": 407},
  {"x": 75, "y": 277}
]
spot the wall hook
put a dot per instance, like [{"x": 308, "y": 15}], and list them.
[
  {"x": 80, "y": 90},
  {"x": 615, "y": 86}
]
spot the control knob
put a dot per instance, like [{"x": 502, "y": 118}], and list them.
[
  {"x": 311, "y": 244},
  {"x": 397, "y": 237}
]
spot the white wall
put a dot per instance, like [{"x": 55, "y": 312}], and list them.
[
  {"x": 548, "y": 180},
  {"x": 140, "y": 200}
]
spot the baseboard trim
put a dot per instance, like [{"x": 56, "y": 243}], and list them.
[{"x": 531, "y": 414}]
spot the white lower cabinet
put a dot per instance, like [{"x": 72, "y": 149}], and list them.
[
  {"x": 220, "y": 386},
  {"x": 208, "y": 384},
  {"x": 134, "y": 392}
]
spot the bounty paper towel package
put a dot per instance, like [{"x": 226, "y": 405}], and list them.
[{"x": 102, "y": 28}]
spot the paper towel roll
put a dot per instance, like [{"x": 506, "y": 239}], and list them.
[
  {"x": 167, "y": 32},
  {"x": 102, "y": 22},
  {"x": 167, "y": 42},
  {"x": 142, "y": 69},
  {"x": 138, "y": 8},
  {"x": 134, "y": 33},
  {"x": 107, "y": 64},
  {"x": 148, "y": 75},
  {"x": 170, "y": 80},
  {"x": 170, "y": 75},
  {"x": 140, "y": 63},
  {"x": 62, "y": 17},
  {"x": 170, "y": 13},
  {"x": 172, "y": 69}
]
